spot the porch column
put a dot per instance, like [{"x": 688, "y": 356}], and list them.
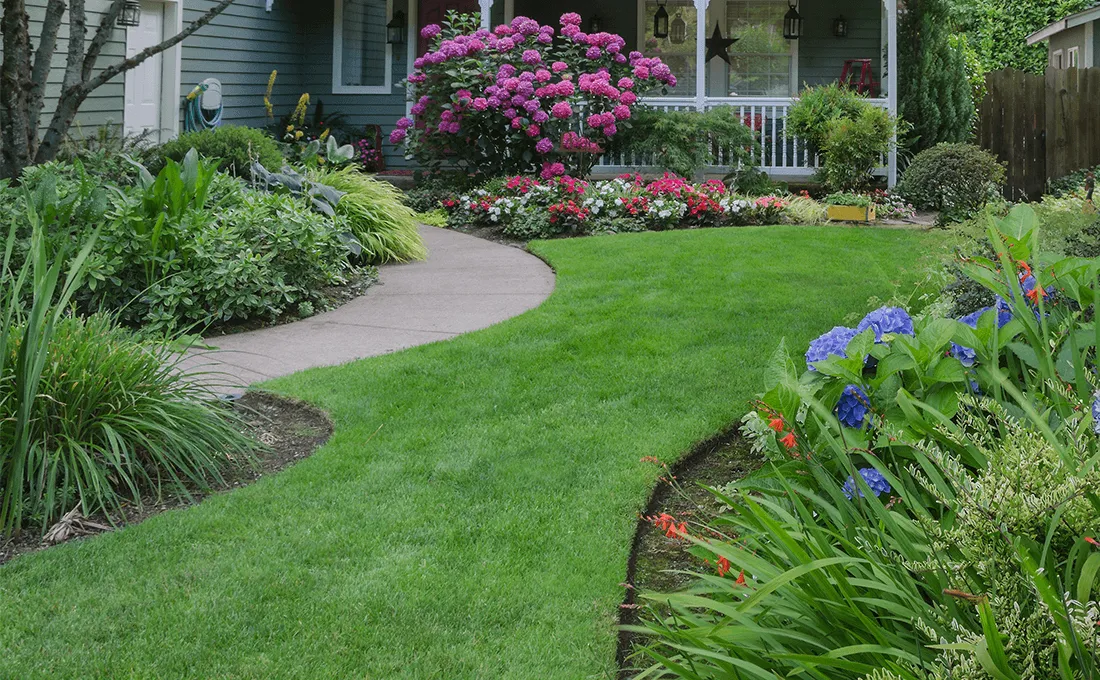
[
  {"x": 485, "y": 7},
  {"x": 700, "y": 54},
  {"x": 892, "y": 82}
]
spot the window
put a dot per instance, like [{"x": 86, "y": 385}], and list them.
[
  {"x": 761, "y": 59},
  {"x": 361, "y": 58},
  {"x": 678, "y": 49},
  {"x": 1056, "y": 59},
  {"x": 1072, "y": 55}
]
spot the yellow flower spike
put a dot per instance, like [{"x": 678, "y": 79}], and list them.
[
  {"x": 290, "y": 128},
  {"x": 299, "y": 115},
  {"x": 323, "y": 136},
  {"x": 298, "y": 134},
  {"x": 267, "y": 94}
]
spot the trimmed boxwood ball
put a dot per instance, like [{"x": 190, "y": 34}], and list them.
[
  {"x": 955, "y": 179},
  {"x": 236, "y": 147}
]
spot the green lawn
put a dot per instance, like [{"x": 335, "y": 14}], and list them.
[{"x": 472, "y": 515}]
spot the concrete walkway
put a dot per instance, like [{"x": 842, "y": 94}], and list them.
[{"x": 466, "y": 284}]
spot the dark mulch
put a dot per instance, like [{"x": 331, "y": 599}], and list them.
[
  {"x": 655, "y": 558},
  {"x": 289, "y": 430}
]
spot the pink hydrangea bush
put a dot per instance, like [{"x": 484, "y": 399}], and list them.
[
  {"x": 522, "y": 98},
  {"x": 626, "y": 203}
]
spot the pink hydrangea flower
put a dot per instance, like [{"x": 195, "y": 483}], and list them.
[
  {"x": 621, "y": 112},
  {"x": 561, "y": 110},
  {"x": 542, "y": 75},
  {"x": 628, "y": 98},
  {"x": 592, "y": 52},
  {"x": 397, "y": 136},
  {"x": 641, "y": 72},
  {"x": 551, "y": 170},
  {"x": 544, "y": 146},
  {"x": 480, "y": 104},
  {"x": 533, "y": 131},
  {"x": 430, "y": 31},
  {"x": 505, "y": 44},
  {"x": 558, "y": 66},
  {"x": 540, "y": 116},
  {"x": 620, "y": 58},
  {"x": 517, "y": 123},
  {"x": 404, "y": 122},
  {"x": 625, "y": 83},
  {"x": 570, "y": 19},
  {"x": 531, "y": 57},
  {"x": 610, "y": 130}
]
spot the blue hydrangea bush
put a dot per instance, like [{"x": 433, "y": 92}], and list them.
[{"x": 930, "y": 506}]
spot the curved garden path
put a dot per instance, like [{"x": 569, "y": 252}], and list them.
[{"x": 466, "y": 284}]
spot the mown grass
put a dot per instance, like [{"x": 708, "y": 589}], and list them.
[{"x": 473, "y": 514}]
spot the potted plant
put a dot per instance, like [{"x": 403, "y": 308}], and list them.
[{"x": 845, "y": 207}]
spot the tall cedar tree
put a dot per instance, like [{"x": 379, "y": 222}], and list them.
[{"x": 936, "y": 98}]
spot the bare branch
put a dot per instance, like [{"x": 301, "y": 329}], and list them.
[
  {"x": 102, "y": 35},
  {"x": 47, "y": 43},
  {"x": 78, "y": 31},
  {"x": 127, "y": 64}
]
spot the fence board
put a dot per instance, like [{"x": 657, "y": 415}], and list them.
[{"x": 1042, "y": 127}]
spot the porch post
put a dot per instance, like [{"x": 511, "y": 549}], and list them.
[
  {"x": 892, "y": 82},
  {"x": 485, "y": 7},
  {"x": 700, "y": 54}
]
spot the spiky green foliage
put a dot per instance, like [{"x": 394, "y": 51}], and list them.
[
  {"x": 935, "y": 97},
  {"x": 89, "y": 415},
  {"x": 377, "y": 216}
]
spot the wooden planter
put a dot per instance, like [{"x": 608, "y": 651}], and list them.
[{"x": 851, "y": 213}]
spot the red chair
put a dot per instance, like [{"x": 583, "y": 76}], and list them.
[{"x": 857, "y": 75}]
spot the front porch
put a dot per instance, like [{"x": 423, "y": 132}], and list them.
[{"x": 764, "y": 72}]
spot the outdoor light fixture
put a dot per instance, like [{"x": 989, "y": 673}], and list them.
[
  {"x": 840, "y": 27},
  {"x": 677, "y": 32},
  {"x": 395, "y": 30},
  {"x": 130, "y": 15},
  {"x": 595, "y": 24},
  {"x": 792, "y": 22},
  {"x": 660, "y": 21}
]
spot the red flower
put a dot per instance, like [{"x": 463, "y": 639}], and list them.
[
  {"x": 664, "y": 520},
  {"x": 776, "y": 424},
  {"x": 723, "y": 566},
  {"x": 1090, "y": 539},
  {"x": 741, "y": 578},
  {"x": 789, "y": 441}
]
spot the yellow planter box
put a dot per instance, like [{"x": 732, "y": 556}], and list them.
[{"x": 851, "y": 213}]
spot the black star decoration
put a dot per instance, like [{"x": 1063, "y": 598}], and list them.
[{"x": 717, "y": 46}]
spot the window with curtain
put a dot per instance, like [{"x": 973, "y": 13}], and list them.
[
  {"x": 362, "y": 52},
  {"x": 761, "y": 59},
  {"x": 678, "y": 49}
]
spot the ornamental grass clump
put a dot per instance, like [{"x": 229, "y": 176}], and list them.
[
  {"x": 376, "y": 215},
  {"x": 500, "y": 102},
  {"x": 931, "y": 502},
  {"x": 91, "y": 416}
]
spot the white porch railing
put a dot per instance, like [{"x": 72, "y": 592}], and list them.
[{"x": 780, "y": 154}]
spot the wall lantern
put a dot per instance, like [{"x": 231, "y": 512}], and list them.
[
  {"x": 595, "y": 24},
  {"x": 840, "y": 27},
  {"x": 130, "y": 15},
  {"x": 660, "y": 21},
  {"x": 792, "y": 22},
  {"x": 677, "y": 32},
  {"x": 395, "y": 30}
]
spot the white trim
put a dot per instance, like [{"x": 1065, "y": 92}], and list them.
[
  {"x": 1056, "y": 56},
  {"x": 1089, "y": 54},
  {"x": 413, "y": 39},
  {"x": 337, "y": 56},
  {"x": 1073, "y": 57},
  {"x": 485, "y": 8},
  {"x": 171, "y": 67},
  {"x": 892, "y": 83}
]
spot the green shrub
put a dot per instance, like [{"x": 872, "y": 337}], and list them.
[
  {"x": 1072, "y": 183},
  {"x": 809, "y": 117},
  {"x": 956, "y": 179},
  {"x": 858, "y": 200},
  {"x": 235, "y": 147},
  {"x": 684, "y": 142},
  {"x": 854, "y": 147},
  {"x": 376, "y": 216},
  {"x": 908, "y": 527},
  {"x": 89, "y": 415},
  {"x": 532, "y": 225}
]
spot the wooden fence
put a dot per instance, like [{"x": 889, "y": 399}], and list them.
[{"x": 1042, "y": 126}]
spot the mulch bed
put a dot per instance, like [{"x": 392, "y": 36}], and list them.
[
  {"x": 654, "y": 556},
  {"x": 289, "y": 430}
]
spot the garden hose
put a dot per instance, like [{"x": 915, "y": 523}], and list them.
[{"x": 202, "y": 108}]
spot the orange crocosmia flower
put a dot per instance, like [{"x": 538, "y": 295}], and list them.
[
  {"x": 1090, "y": 539},
  {"x": 1025, "y": 268},
  {"x": 776, "y": 424},
  {"x": 741, "y": 578},
  {"x": 663, "y": 520},
  {"x": 723, "y": 566},
  {"x": 788, "y": 441}
]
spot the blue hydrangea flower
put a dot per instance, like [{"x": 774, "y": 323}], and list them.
[
  {"x": 967, "y": 355},
  {"x": 852, "y": 407},
  {"x": 874, "y": 479},
  {"x": 975, "y": 388},
  {"x": 1004, "y": 312},
  {"x": 887, "y": 320},
  {"x": 1096, "y": 413},
  {"x": 833, "y": 343}
]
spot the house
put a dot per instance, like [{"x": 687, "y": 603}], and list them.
[
  {"x": 1074, "y": 41},
  {"x": 339, "y": 52}
]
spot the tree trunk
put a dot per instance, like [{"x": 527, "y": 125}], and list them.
[{"x": 16, "y": 131}]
